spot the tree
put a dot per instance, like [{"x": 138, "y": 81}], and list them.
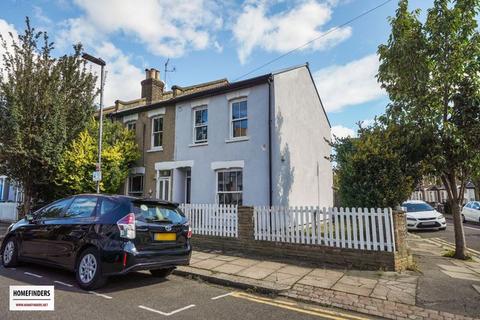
[
  {"x": 371, "y": 171},
  {"x": 430, "y": 71},
  {"x": 77, "y": 163},
  {"x": 45, "y": 102}
]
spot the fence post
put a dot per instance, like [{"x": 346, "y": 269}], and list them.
[
  {"x": 400, "y": 232},
  {"x": 245, "y": 223}
]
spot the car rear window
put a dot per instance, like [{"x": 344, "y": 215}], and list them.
[
  {"x": 417, "y": 207},
  {"x": 157, "y": 213}
]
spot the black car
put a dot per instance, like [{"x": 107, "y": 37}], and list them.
[{"x": 101, "y": 235}]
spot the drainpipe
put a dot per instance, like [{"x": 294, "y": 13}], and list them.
[{"x": 270, "y": 182}]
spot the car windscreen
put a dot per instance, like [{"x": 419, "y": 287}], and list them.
[
  {"x": 416, "y": 207},
  {"x": 157, "y": 213}
]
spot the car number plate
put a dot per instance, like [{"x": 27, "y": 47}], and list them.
[
  {"x": 165, "y": 236},
  {"x": 428, "y": 223}
]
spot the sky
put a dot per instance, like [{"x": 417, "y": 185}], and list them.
[{"x": 207, "y": 40}]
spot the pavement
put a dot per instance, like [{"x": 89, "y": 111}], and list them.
[
  {"x": 446, "y": 284},
  {"x": 264, "y": 275},
  {"x": 140, "y": 296}
]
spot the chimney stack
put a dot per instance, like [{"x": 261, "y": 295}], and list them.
[{"x": 152, "y": 86}]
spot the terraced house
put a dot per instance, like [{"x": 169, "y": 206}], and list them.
[{"x": 259, "y": 141}]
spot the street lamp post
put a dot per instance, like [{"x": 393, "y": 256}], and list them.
[{"x": 101, "y": 63}]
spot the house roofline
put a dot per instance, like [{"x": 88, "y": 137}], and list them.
[
  {"x": 196, "y": 95},
  {"x": 318, "y": 94}
]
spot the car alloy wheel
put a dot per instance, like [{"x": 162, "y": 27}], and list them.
[
  {"x": 87, "y": 268},
  {"x": 8, "y": 252}
]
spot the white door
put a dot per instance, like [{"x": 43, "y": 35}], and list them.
[{"x": 163, "y": 188}]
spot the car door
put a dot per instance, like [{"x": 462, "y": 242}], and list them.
[
  {"x": 76, "y": 221},
  {"x": 37, "y": 237},
  {"x": 475, "y": 212},
  {"x": 466, "y": 211}
]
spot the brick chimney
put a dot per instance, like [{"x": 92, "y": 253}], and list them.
[{"x": 152, "y": 86}]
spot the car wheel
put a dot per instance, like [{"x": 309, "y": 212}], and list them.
[
  {"x": 161, "y": 273},
  {"x": 89, "y": 271},
  {"x": 10, "y": 253}
]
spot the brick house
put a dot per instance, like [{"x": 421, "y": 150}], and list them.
[{"x": 259, "y": 141}]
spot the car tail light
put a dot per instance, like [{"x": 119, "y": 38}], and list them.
[
  {"x": 126, "y": 225},
  {"x": 189, "y": 233}
]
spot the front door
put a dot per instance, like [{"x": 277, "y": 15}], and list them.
[{"x": 164, "y": 185}]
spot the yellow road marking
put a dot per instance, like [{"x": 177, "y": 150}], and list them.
[
  {"x": 294, "y": 307},
  {"x": 452, "y": 245}
]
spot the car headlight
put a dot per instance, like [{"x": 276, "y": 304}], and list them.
[
  {"x": 411, "y": 219},
  {"x": 440, "y": 217}
]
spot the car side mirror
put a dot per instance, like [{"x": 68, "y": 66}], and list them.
[{"x": 30, "y": 217}]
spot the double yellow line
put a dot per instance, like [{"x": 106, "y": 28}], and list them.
[
  {"x": 314, "y": 311},
  {"x": 452, "y": 246}
]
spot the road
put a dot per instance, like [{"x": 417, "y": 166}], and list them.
[
  {"x": 140, "y": 296},
  {"x": 472, "y": 234}
]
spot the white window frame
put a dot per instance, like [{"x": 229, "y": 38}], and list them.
[
  {"x": 217, "y": 198},
  {"x": 231, "y": 102},
  {"x": 131, "y": 122},
  {"x": 195, "y": 126},
  {"x": 152, "y": 140}
]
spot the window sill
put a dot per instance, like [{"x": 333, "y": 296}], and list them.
[
  {"x": 156, "y": 149},
  {"x": 239, "y": 139},
  {"x": 198, "y": 144}
]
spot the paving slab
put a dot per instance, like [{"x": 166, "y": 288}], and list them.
[
  {"x": 245, "y": 262},
  {"x": 270, "y": 265},
  {"x": 318, "y": 282},
  {"x": 355, "y": 285},
  {"x": 228, "y": 268},
  {"x": 283, "y": 278},
  {"x": 226, "y": 258},
  {"x": 396, "y": 291},
  {"x": 456, "y": 268},
  {"x": 294, "y": 270},
  {"x": 255, "y": 272},
  {"x": 203, "y": 255},
  {"x": 208, "y": 264},
  {"x": 462, "y": 275}
]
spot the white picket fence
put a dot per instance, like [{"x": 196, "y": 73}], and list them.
[
  {"x": 356, "y": 228},
  {"x": 8, "y": 211},
  {"x": 212, "y": 219}
]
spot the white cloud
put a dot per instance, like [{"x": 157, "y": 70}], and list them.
[
  {"x": 167, "y": 28},
  {"x": 349, "y": 84},
  {"x": 5, "y": 30},
  {"x": 286, "y": 30},
  {"x": 123, "y": 78},
  {"x": 342, "y": 132}
]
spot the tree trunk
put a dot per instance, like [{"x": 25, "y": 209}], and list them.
[
  {"x": 460, "y": 244},
  {"x": 477, "y": 189},
  {"x": 27, "y": 201}
]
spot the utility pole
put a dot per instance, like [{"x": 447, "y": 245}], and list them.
[{"x": 97, "y": 176}]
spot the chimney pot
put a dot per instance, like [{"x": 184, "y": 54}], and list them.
[{"x": 152, "y": 86}]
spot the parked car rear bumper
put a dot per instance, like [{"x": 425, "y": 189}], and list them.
[{"x": 129, "y": 260}]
